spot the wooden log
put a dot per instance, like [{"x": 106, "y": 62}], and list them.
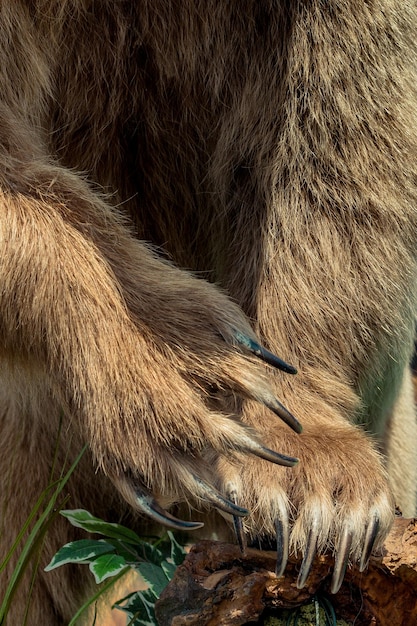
[{"x": 218, "y": 585}]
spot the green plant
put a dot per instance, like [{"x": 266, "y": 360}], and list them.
[
  {"x": 116, "y": 553},
  {"x": 34, "y": 538}
]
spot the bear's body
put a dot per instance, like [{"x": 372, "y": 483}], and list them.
[{"x": 268, "y": 147}]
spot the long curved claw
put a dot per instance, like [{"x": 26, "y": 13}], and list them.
[
  {"x": 279, "y": 409},
  {"x": 237, "y": 523},
  {"x": 370, "y": 537},
  {"x": 309, "y": 554},
  {"x": 262, "y": 353},
  {"x": 215, "y": 498},
  {"x": 282, "y": 534},
  {"x": 342, "y": 558},
  {"x": 148, "y": 505},
  {"x": 240, "y": 534},
  {"x": 270, "y": 455}
]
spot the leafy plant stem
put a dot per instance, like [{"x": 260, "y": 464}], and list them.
[{"x": 35, "y": 538}]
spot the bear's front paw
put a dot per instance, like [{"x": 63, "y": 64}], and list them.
[
  {"x": 166, "y": 416},
  {"x": 336, "y": 498}
]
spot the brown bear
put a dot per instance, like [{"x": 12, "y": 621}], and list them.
[{"x": 188, "y": 188}]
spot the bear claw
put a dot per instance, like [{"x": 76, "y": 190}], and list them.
[
  {"x": 263, "y": 354},
  {"x": 216, "y": 499},
  {"x": 310, "y": 552},
  {"x": 282, "y": 536},
  {"x": 279, "y": 409},
  {"x": 148, "y": 505},
  {"x": 270, "y": 455},
  {"x": 342, "y": 558},
  {"x": 237, "y": 521},
  {"x": 370, "y": 538}
]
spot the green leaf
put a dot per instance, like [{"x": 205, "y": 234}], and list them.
[
  {"x": 147, "y": 552},
  {"x": 107, "y": 566},
  {"x": 35, "y": 539},
  {"x": 168, "y": 569},
  {"x": 82, "y": 551},
  {"x": 26, "y": 525},
  {"x": 154, "y": 576},
  {"x": 141, "y": 552},
  {"x": 140, "y": 607},
  {"x": 178, "y": 553},
  {"x": 83, "y": 519},
  {"x": 126, "y": 550}
]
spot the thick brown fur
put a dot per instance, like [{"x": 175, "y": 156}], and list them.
[{"x": 267, "y": 151}]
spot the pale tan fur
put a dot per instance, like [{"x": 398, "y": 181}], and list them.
[
  {"x": 400, "y": 448},
  {"x": 267, "y": 151}
]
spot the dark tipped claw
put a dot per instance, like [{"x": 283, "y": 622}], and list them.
[
  {"x": 342, "y": 558},
  {"x": 238, "y": 524},
  {"x": 282, "y": 546},
  {"x": 309, "y": 554},
  {"x": 263, "y": 354},
  {"x": 287, "y": 417},
  {"x": 240, "y": 534},
  {"x": 214, "y": 497},
  {"x": 266, "y": 356},
  {"x": 152, "y": 509},
  {"x": 370, "y": 537},
  {"x": 270, "y": 455}
]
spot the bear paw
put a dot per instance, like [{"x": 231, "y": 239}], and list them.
[{"x": 336, "y": 498}]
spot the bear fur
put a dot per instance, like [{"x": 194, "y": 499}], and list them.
[{"x": 174, "y": 173}]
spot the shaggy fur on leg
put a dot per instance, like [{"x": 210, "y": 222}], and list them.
[{"x": 174, "y": 177}]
